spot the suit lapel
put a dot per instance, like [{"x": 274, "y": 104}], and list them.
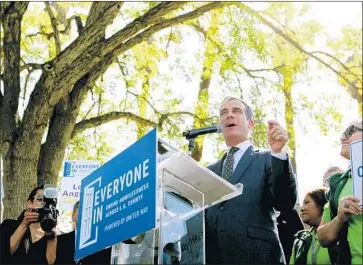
[{"x": 243, "y": 164}]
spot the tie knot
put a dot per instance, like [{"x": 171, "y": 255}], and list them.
[{"x": 233, "y": 150}]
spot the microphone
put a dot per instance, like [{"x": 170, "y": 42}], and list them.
[{"x": 196, "y": 132}]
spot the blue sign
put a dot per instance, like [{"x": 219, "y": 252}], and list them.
[
  {"x": 67, "y": 169},
  {"x": 118, "y": 200}
]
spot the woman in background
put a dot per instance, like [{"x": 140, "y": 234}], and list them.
[{"x": 306, "y": 248}]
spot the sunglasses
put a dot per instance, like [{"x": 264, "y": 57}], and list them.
[
  {"x": 350, "y": 130},
  {"x": 39, "y": 198}
]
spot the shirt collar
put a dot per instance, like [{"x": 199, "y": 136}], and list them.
[{"x": 243, "y": 146}]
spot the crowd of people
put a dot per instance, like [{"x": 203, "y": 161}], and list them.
[{"x": 261, "y": 226}]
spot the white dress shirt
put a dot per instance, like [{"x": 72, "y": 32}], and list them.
[{"x": 243, "y": 146}]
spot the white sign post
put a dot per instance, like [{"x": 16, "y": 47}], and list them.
[
  {"x": 73, "y": 172},
  {"x": 357, "y": 169}
]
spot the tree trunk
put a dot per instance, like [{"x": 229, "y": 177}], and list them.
[
  {"x": 20, "y": 169},
  {"x": 18, "y": 161},
  {"x": 141, "y": 100},
  {"x": 60, "y": 131},
  {"x": 289, "y": 117},
  {"x": 201, "y": 109},
  {"x": 210, "y": 57}
]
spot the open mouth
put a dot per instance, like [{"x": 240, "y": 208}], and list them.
[{"x": 230, "y": 125}]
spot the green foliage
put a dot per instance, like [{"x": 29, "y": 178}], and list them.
[
  {"x": 90, "y": 146},
  {"x": 348, "y": 50}
]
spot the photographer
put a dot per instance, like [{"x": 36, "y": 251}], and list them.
[{"x": 23, "y": 241}]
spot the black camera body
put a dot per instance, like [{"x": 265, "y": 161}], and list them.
[{"x": 48, "y": 215}]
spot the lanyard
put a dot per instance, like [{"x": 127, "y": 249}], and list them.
[{"x": 314, "y": 250}]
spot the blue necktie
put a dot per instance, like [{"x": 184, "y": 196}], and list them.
[{"x": 228, "y": 165}]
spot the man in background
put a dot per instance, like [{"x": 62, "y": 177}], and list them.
[
  {"x": 67, "y": 245},
  {"x": 330, "y": 172}
]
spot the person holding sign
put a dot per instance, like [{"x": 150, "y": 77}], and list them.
[
  {"x": 342, "y": 218},
  {"x": 66, "y": 247},
  {"x": 243, "y": 230}
]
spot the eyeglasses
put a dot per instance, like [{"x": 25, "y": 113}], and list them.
[
  {"x": 39, "y": 198},
  {"x": 350, "y": 130}
]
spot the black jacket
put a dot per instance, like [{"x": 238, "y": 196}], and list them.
[
  {"x": 27, "y": 252},
  {"x": 66, "y": 249}
]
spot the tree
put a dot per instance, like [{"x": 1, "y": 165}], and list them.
[
  {"x": 350, "y": 75},
  {"x": 287, "y": 60},
  {"x": 66, "y": 77},
  {"x": 210, "y": 56},
  {"x": 346, "y": 56}
]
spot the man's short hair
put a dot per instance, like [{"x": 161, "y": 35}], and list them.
[
  {"x": 248, "y": 110},
  {"x": 75, "y": 207},
  {"x": 358, "y": 123},
  {"x": 331, "y": 171}
]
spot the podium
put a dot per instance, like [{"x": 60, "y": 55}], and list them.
[{"x": 184, "y": 190}]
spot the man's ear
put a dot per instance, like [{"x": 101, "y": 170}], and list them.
[{"x": 251, "y": 124}]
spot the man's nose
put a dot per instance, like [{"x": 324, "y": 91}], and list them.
[
  {"x": 230, "y": 114},
  {"x": 342, "y": 137}
]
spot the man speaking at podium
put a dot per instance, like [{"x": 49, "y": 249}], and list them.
[{"x": 243, "y": 230}]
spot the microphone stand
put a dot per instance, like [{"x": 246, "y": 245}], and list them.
[{"x": 191, "y": 145}]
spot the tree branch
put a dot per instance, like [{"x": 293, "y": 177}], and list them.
[
  {"x": 61, "y": 74},
  {"x": 27, "y": 78},
  {"x": 290, "y": 40},
  {"x": 249, "y": 73},
  {"x": 30, "y": 66},
  {"x": 198, "y": 28},
  {"x": 151, "y": 17},
  {"x": 65, "y": 31},
  {"x": 267, "y": 69},
  {"x": 145, "y": 99},
  {"x": 4, "y": 6},
  {"x": 108, "y": 117},
  {"x": 165, "y": 24},
  {"x": 339, "y": 62},
  {"x": 101, "y": 10},
  {"x": 48, "y": 35},
  {"x": 54, "y": 23}
]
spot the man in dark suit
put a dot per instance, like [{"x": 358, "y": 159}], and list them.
[
  {"x": 243, "y": 230},
  {"x": 288, "y": 224},
  {"x": 66, "y": 247}
]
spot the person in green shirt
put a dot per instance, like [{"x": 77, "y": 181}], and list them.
[
  {"x": 342, "y": 218},
  {"x": 306, "y": 248}
]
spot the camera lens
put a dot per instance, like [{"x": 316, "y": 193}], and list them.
[{"x": 47, "y": 224}]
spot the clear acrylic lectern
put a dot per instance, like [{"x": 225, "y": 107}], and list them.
[{"x": 185, "y": 190}]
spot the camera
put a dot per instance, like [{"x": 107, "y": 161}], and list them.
[{"x": 48, "y": 215}]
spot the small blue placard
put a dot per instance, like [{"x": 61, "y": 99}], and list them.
[
  {"x": 118, "y": 200},
  {"x": 67, "y": 169}
]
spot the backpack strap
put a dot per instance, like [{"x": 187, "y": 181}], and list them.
[{"x": 301, "y": 245}]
